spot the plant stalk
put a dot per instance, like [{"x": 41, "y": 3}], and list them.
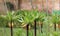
[
  {"x": 27, "y": 29},
  {"x": 41, "y": 27},
  {"x": 55, "y": 27},
  {"x": 11, "y": 29},
  {"x": 35, "y": 28}
]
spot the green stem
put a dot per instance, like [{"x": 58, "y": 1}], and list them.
[
  {"x": 41, "y": 27},
  {"x": 55, "y": 26},
  {"x": 35, "y": 27}
]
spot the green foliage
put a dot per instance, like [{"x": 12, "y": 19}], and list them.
[
  {"x": 10, "y": 17},
  {"x": 56, "y": 33},
  {"x": 56, "y": 12},
  {"x": 3, "y": 21},
  {"x": 42, "y": 16},
  {"x": 28, "y": 16},
  {"x": 55, "y": 16}
]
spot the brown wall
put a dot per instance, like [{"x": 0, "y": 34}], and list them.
[
  {"x": 26, "y": 4},
  {"x": 2, "y": 6}
]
